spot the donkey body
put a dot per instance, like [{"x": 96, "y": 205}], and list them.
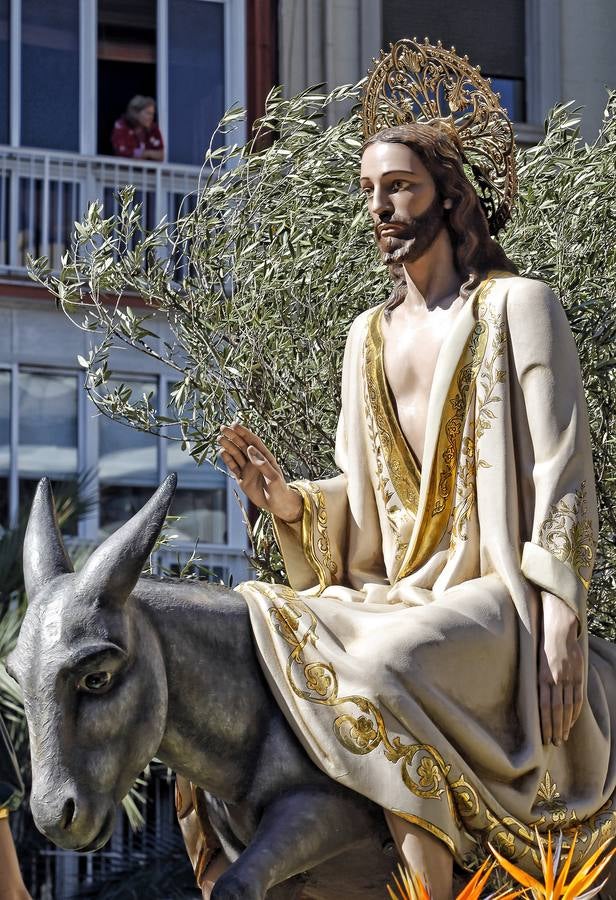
[{"x": 116, "y": 669}]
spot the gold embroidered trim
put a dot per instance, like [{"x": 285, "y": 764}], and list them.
[
  {"x": 399, "y": 458},
  {"x": 567, "y": 534},
  {"x": 424, "y": 772},
  {"x": 488, "y": 377},
  {"x": 548, "y": 798},
  {"x": 440, "y": 495},
  {"x": 316, "y": 548},
  {"x": 4, "y": 813}
]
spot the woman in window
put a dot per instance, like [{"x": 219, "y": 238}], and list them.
[{"x": 136, "y": 134}]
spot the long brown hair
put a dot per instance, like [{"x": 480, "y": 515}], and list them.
[{"x": 475, "y": 251}]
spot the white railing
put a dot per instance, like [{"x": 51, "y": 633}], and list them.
[{"x": 43, "y": 192}]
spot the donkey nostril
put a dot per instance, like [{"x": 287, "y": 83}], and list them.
[{"x": 68, "y": 814}]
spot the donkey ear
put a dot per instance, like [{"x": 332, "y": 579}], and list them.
[
  {"x": 114, "y": 567},
  {"x": 44, "y": 554}
]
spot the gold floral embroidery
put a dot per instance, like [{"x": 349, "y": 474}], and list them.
[
  {"x": 317, "y": 549},
  {"x": 397, "y": 473},
  {"x": 360, "y": 729},
  {"x": 396, "y": 455},
  {"x": 489, "y": 374},
  {"x": 567, "y": 533},
  {"x": 548, "y": 799}
]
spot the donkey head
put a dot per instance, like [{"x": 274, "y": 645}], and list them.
[{"x": 91, "y": 671}]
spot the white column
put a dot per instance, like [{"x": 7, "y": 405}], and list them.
[
  {"x": 543, "y": 58},
  {"x": 88, "y": 59},
  {"x": 15, "y": 74}
]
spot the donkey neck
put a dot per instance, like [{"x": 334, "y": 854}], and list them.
[{"x": 218, "y": 706}]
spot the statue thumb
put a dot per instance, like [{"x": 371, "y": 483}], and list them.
[{"x": 255, "y": 457}]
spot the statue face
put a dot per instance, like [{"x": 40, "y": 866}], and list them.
[{"x": 402, "y": 199}]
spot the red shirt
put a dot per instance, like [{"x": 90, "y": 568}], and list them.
[{"x": 132, "y": 140}]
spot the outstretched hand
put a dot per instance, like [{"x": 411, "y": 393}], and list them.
[
  {"x": 257, "y": 472},
  {"x": 561, "y": 670}
]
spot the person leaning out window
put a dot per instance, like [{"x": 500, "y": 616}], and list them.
[{"x": 136, "y": 134}]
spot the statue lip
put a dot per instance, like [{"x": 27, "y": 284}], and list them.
[
  {"x": 389, "y": 227},
  {"x": 102, "y": 836}
]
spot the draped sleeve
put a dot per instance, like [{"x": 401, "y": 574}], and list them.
[
  {"x": 338, "y": 540},
  {"x": 559, "y": 511}
]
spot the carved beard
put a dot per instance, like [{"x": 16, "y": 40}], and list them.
[{"x": 414, "y": 238}]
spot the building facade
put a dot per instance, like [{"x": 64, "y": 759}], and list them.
[
  {"x": 69, "y": 69},
  {"x": 538, "y": 52}
]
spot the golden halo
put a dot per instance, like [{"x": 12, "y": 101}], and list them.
[{"x": 417, "y": 82}]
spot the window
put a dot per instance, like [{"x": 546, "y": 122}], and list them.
[
  {"x": 50, "y": 74},
  {"x": 126, "y": 60},
  {"x": 4, "y": 71},
  {"x": 196, "y": 77},
  {"x": 5, "y": 445},
  {"x": 200, "y": 500},
  {"x": 47, "y": 432},
  {"x": 491, "y": 34}
]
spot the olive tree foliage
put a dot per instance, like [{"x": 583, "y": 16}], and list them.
[{"x": 247, "y": 297}]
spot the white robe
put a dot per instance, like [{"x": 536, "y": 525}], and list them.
[{"x": 404, "y": 651}]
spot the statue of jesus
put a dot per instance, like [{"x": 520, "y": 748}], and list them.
[{"x": 431, "y": 649}]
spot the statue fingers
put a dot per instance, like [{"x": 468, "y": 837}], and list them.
[
  {"x": 557, "y": 714},
  {"x": 231, "y": 465},
  {"x": 545, "y": 711},
  {"x": 232, "y": 450},
  {"x": 567, "y": 709},
  {"x": 253, "y": 440}
]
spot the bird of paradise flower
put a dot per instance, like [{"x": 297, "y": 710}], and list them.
[{"x": 552, "y": 886}]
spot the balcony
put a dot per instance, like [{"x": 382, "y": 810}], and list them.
[{"x": 43, "y": 192}]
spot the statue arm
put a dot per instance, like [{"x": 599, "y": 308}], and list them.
[
  {"x": 557, "y": 472},
  {"x": 559, "y": 511}
]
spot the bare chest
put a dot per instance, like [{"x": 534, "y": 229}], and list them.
[{"x": 410, "y": 355}]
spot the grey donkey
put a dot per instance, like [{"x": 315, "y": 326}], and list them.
[{"x": 116, "y": 669}]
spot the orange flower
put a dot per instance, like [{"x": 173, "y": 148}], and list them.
[{"x": 554, "y": 885}]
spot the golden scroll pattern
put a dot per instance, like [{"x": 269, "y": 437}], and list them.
[{"x": 359, "y": 727}]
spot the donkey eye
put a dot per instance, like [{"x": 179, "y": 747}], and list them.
[{"x": 95, "y": 682}]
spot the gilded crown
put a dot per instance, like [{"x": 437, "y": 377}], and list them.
[{"x": 423, "y": 82}]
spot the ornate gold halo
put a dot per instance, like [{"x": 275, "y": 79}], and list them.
[{"x": 418, "y": 82}]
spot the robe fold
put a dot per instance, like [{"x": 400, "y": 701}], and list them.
[{"x": 404, "y": 650}]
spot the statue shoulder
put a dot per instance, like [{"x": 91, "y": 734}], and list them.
[
  {"x": 358, "y": 326},
  {"x": 533, "y": 309}
]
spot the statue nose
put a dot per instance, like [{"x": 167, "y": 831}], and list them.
[{"x": 68, "y": 814}]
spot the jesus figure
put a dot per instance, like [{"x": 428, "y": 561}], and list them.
[{"x": 431, "y": 649}]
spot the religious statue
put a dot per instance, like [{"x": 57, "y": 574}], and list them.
[
  {"x": 431, "y": 649},
  {"x": 429, "y": 656}
]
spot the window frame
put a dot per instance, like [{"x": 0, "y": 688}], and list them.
[
  {"x": 88, "y": 457},
  {"x": 235, "y": 68}
]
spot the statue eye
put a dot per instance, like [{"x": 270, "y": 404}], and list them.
[{"x": 95, "y": 682}]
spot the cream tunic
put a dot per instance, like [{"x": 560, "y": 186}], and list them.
[{"x": 404, "y": 651}]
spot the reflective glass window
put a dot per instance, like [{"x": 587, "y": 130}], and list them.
[
  {"x": 5, "y": 445},
  {"x": 47, "y": 434},
  {"x": 196, "y": 77},
  {"x": 4, "y": 71},
  {"x": 50, "y": 74},
  {"x": 128, "y": 463}
]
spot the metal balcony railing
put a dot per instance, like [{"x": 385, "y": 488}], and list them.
[{"x": 43, "y": 192}]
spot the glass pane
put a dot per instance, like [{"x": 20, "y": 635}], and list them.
[
  {"x": 128, "y": 456},
  {"x": 5, "y": 422},
  {"x": 196, "y": 77},
  {"x": 511, "y": 91},
  {"x": 4, "y": 71},
  {"x": 50, "y": 74},
  {"x": 118, "y": 503},
  {"x": 203, "y": 515},
  {"x": 62, "y": 491},
  {"x": 189, "y": 473},
  {"x": 47, "y": 425}
]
